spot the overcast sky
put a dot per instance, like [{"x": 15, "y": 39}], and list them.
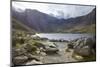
[{"x": 57, "y": 10}]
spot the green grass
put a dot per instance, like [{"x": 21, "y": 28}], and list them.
[
  {"x": 83, "y": 29},
  {"x": 17, "y": 25}
]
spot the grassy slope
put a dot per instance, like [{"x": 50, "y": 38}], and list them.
[
  {"x": 18, "y": 26},
  {"x": 83, "y": 29}
]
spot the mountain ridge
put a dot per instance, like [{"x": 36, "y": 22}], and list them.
[{"x": 42, "y": 22}]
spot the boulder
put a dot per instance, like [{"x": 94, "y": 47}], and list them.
[
  {"x": 19, "y": 60},
  {"x": 49, "y": 48},
  {"x": 43, "y": 53},
  {"x": 84, "y": 47},
  {"x": 33, "y": 57},
  {"x": 84, "y": 51},
  {"x": 70, "y": 45},
  {"x": 51, "y": 51},
  {"x": 39, "y": 45},
  {"x": 18, "y": 51},
  {"x": 49, "y": 44}
]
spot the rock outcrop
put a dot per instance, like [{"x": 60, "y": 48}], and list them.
[
  {"x": 85, "y": 47},
  {"x": 26, "y": 50}
]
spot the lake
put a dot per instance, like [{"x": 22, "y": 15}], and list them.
[{"x": 63, "y": 36}]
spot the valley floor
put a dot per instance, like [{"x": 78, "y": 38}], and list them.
[{"x": 61, "y": 57}]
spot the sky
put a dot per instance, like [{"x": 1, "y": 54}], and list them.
[{"x": 56, "y": 10}]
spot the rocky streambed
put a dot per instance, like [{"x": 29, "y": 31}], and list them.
[
  {"x": 55, "y": 55},
  {"x": 59, "y": 57},
  {"x": 29, "y": 51}
]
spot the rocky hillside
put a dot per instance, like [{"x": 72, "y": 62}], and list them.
[
  {"x": 19, "y": 26},
  {"x": 42, "y": 22}
]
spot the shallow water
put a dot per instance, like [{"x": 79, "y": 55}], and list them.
[{"x": 63, "y": 36}]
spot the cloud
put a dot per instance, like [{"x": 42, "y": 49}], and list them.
[{"x": 57, "y": 10}]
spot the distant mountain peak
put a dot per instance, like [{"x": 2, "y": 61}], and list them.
[
  {"x": 43, "y": 22},
  {"x": 31, "y": 10}
]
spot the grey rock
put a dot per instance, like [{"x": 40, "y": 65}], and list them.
[
  {"x": 84, "y": 46},
  {"x": 20, "y": 60},
  {"x": 70, "y": 45},
  {"x": 84, "y": 51},
  {"x": 32, "y": 57},
  {"x": 43, "y": 53},
  {"x": 34, "y": 62},
  {"x": 18, "y": 52},
  {"x": 51, "y": 51}
]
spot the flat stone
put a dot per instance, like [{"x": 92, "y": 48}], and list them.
[{"x": 34, "y": 62}]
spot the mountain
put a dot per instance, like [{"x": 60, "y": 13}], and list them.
[
  {"x": 19, "y": 26},
  {"x": 45, "y": 23},
  {"x": 84, "y": 20},
  {"x": 37, "y": 20},
  {"x": 79, "y": 24}
]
